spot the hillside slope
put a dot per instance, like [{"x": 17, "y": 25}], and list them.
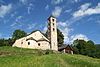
[{"x": 16, "y": 57}]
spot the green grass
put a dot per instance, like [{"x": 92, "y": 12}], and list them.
[{"x": 17, "y": 57}]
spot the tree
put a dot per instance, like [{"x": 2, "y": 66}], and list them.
[
  {"x": 1, "y": 42},
  {"x": 18, "y": 34},
  {"x": 81, "y": 45},
  {"x": 85, "y": 47},
  {"x": 60, "y": 37},
  {"x": 10, "y": 41},
  {"x": 75, "y": 42},
  {"x": 4, "y": 42}
]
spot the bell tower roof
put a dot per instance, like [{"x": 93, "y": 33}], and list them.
[{"x": 51, "y": 16}]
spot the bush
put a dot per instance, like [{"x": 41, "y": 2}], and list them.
[{"x": 49, "y": 52}]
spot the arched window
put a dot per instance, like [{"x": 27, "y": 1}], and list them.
[
  {"x": 53, "y": 20},
  {"x": 53, "y": 29},
  {"x": 38, "y": 44},
  {"x": 28, "y": 43},
  {"x": 21, "y": 42}
]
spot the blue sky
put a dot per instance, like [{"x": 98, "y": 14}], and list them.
[{"x": 77, "y": 19}]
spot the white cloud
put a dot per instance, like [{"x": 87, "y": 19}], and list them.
[
  {"x": 45, "y": 29},
  {"x": 29, "y": 8},
  {"x": 79, "y": 37},
  {"x": 85, "y": 6},
  {"x": 63, "y": 26},
  {"x": 85, "y": 10},
  {"x": 57, "y": 11},
  {"x": 17, "y": 23},
  {"x": 76, "y": 0},
  {"x": 23, "y": 1},
  {"x": 66, "y": 31},
  {"x": 73, "y": 20},
  {"x": 18, "y": 18},
  {"x": 13, "y": 24},
  {"x": 31, "y": 26},
  {"x": 47, "y": 7},
  {"x": 4, "y": 9},
  {"x": 56, "y": 1}
]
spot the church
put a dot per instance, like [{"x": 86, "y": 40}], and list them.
[{"x": 37, "y": 40}]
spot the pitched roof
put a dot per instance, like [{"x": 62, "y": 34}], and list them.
[
  {"x": 51, "y": 16},
  {"x": 31, "y": 38},
  {"x": 40, "y": 32},
  {"x": 34, "y": 32},
  {"x": 65, "y": 46},
  {"x": 43, "y": 39}
]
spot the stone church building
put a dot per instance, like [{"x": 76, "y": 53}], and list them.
[{"x": 37, "y": 40}]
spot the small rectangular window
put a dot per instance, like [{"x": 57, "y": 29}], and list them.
[
  {"x": 53, "y": 29},
  {"x": 53, "y": 24}
]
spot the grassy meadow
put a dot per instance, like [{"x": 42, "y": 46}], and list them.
[{"x": 17, "y": 57}]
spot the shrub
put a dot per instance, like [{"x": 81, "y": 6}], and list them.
[{"x": 49, "y": 52}]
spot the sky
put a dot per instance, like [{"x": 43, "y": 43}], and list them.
[{"x": 77, "y": 19}]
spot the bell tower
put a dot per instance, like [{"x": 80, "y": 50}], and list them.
[{"x": 52, "y": 33}]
